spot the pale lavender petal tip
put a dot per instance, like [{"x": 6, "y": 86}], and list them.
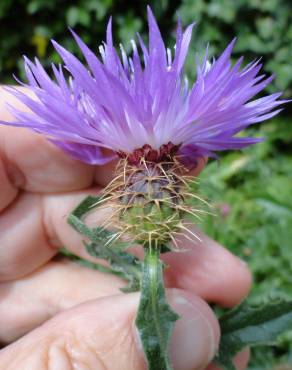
[{"x": 124, "y": 103}]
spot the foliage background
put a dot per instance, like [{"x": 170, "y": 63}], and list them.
[{"x": 252, "y": 190}]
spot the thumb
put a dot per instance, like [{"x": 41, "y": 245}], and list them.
[{"x": 101, "y": 335}]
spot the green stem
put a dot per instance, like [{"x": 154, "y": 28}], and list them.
[{"x": 155, "y": 318}]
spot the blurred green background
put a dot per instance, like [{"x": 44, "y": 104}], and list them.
[
  {"x": 263, "y": 28},
  {"x": 251, "y": 190}
]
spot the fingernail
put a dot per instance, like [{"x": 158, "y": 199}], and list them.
[{"x": 196, "y": 334}]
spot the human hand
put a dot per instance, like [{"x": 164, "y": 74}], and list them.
[{"x": 55, "y": 314}]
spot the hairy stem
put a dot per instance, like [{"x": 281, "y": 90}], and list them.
[{"x": 155, "y": 318}]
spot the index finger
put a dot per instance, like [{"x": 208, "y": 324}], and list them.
[
  {"x": 32, "y": 162},
  {"x": 29, "y": 161}
]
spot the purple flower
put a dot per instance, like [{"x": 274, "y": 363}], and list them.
[{"x": 143, "y": 103}]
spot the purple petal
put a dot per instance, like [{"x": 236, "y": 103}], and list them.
[{"x": 123, "y": 102}]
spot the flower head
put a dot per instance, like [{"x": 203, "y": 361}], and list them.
[{"x": 143, "y": 105}]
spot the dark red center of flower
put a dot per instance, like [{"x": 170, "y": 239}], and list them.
[{"x": 165, "y": 153}]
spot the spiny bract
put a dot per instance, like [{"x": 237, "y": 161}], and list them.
[{"x": 149, "y": 201}]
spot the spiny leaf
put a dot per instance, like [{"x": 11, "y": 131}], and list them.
[
  {"x": 124, "y": 265},
  {"x": 155, "y": 318},
  {"x": 249, "y": 325},
  {"x": 97, "y": 234},
  {"x": 104, "y": 246},
  {"x": 83, "y": 262}
]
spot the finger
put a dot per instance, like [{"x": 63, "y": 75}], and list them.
[
  {"x": 240, "y": 361},
  {"x": 30, "y": 235},
  {"x": 57, "y": 286},
  {"x": 207, "y": 269},
  {"x": 24, "y": 244},
  {"x": 200, "y": 164},
  {"x": 33, "y": 163},
  {"x": 101, "y": 334},
  {"x": 8, "y": 191}
]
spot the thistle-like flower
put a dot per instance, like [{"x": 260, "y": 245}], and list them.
[{"x": 142, "y": 108}]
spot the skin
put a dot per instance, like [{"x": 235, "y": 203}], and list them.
[{"x": 55, "y": 314}]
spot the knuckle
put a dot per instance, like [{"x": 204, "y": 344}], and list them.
[
  {"x": 70, "y": 353},
  {"x": 75, "y": 343},
  {"x": 108, "y": 348}
]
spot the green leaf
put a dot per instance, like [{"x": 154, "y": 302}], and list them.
[
  {"x": 103, "y": 245},
  {"x": 275, "y": 209},
  {"x": 124, "y": 265},
  {"x": 98, "y": 234},
  {"x": 155, "y": 318},
  {"x": 249, "y": 325},
  {"x": 83, "y": 262},
  {"x": 77, "y": 15}
]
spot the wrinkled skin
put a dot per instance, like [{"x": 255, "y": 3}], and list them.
[{"x": 55, "y": 314}]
